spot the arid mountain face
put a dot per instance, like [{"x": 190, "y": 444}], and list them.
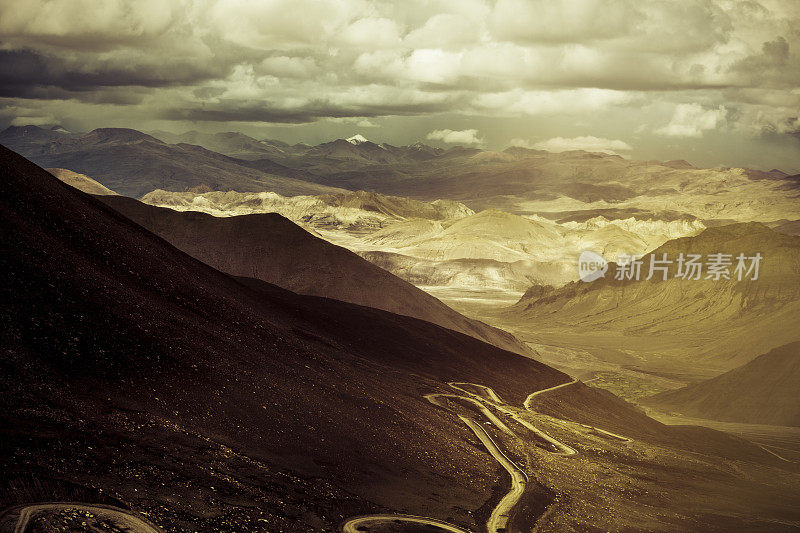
[
  {"x": 551, "y": 208},
  {"x": 593, "y": 201},
  {"x": 564, "y": 186},
  {"x": 273, "y": 249},
  {"x": 573, "y": 184},
  {"x": 764, "y": 391},
  {"x": 232, "y": 144},
  {"x": 355, "y": 213},
  {"x": 680, "y": 323},
  {"x": 444, "y": 243},
  {"x": 80, "y": 181}
]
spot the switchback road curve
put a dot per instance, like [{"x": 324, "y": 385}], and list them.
[{"x": 481, "y": 398}]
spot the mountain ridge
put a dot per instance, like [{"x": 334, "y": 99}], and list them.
[
  {"x": 271, "y": 248},
  {"x": 763, "y": 391},
  {"x": 133, "y": 163},
  {"x": 721, "y": 323}
]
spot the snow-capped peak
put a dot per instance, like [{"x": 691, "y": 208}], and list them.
[{"x": 356, "y": 139}]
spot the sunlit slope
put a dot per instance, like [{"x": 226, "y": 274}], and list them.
[
  {"x": 80, "y": 181},
  {"x": 721, "y": 323},
  {"x": 358, "y": 211},
  {"x": 489, "y": 235},
  {"x": 499, "y": 250},
  {"x": 449, "y": 243},
  {"x": 764, "y": 391},
  {"x": 526, "y": 181}
]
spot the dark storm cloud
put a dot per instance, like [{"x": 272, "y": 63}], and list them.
[
  {"x": 777, "y": 65},
  {"x": 264, "y": 111},
  {"x": 25, "y": 70},
  {"x": 260, "y": 113}
]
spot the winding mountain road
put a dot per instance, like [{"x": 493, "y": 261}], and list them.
[
  {"x": 123, "y": 520},
  {"x": 559, "y": 448},
  {"x": 434, "y": 399},
  {"x": 532, "y": 395},
  {"x": 359, "y": 524},
  {"x": 519, "y": 479},
  {"x": 481, "y": 398},
  {"x": 526, "y": 403}
]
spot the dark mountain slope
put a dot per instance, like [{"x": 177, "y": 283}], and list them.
[
  {"x": 271, "y": 248},
  {"x": 229, "y": 143},
  {"x": 764, "y": 391},
  {"x": 127, "y": 365}
]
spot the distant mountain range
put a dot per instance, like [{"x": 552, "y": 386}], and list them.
[
  {"x": 444, "y": 242},
  {"x": 573, "y": 185},
  {"x": 232, "y": 144},
  {"x": 356, "y": 212},
  {"x": 242, "y": 146},
  {"x": 133, "y": 163}
]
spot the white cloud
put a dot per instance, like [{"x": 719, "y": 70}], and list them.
[
  {"x": 106, "y": 20},
  {"x": 434, "y": 66},
  {"x": 371, "y": 33},
  {"x": 360, "y": 122},
  {"x": 691, "y": 120},
  {"x": 521, "y": 143},
  {"x": 468, "y": 137},
  {"x": 561, "y": 20},
  {"x": 642, "y": 25},
  {"x": 588, "y": 143},
  {"x": 289, "y": 67},
  {"x": 41, "y": 120},
  {"x": 444, "y": 30},
  {"x": 281, "y": 24}
]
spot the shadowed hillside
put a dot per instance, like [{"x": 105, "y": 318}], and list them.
[
  {"x": 764, "y": 391},
  {"x": 107, "y": 327},
  {"x": 271, "y": 248}
]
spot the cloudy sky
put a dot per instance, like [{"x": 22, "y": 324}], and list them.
[{"x": 710, "y": 81}]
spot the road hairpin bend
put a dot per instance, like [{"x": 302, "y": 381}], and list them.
[{"x": 481, "y": 400}]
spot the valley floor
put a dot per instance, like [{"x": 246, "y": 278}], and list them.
[
  {"x": 592, "y": 360},
  {"x": 783, "y": 441}
]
